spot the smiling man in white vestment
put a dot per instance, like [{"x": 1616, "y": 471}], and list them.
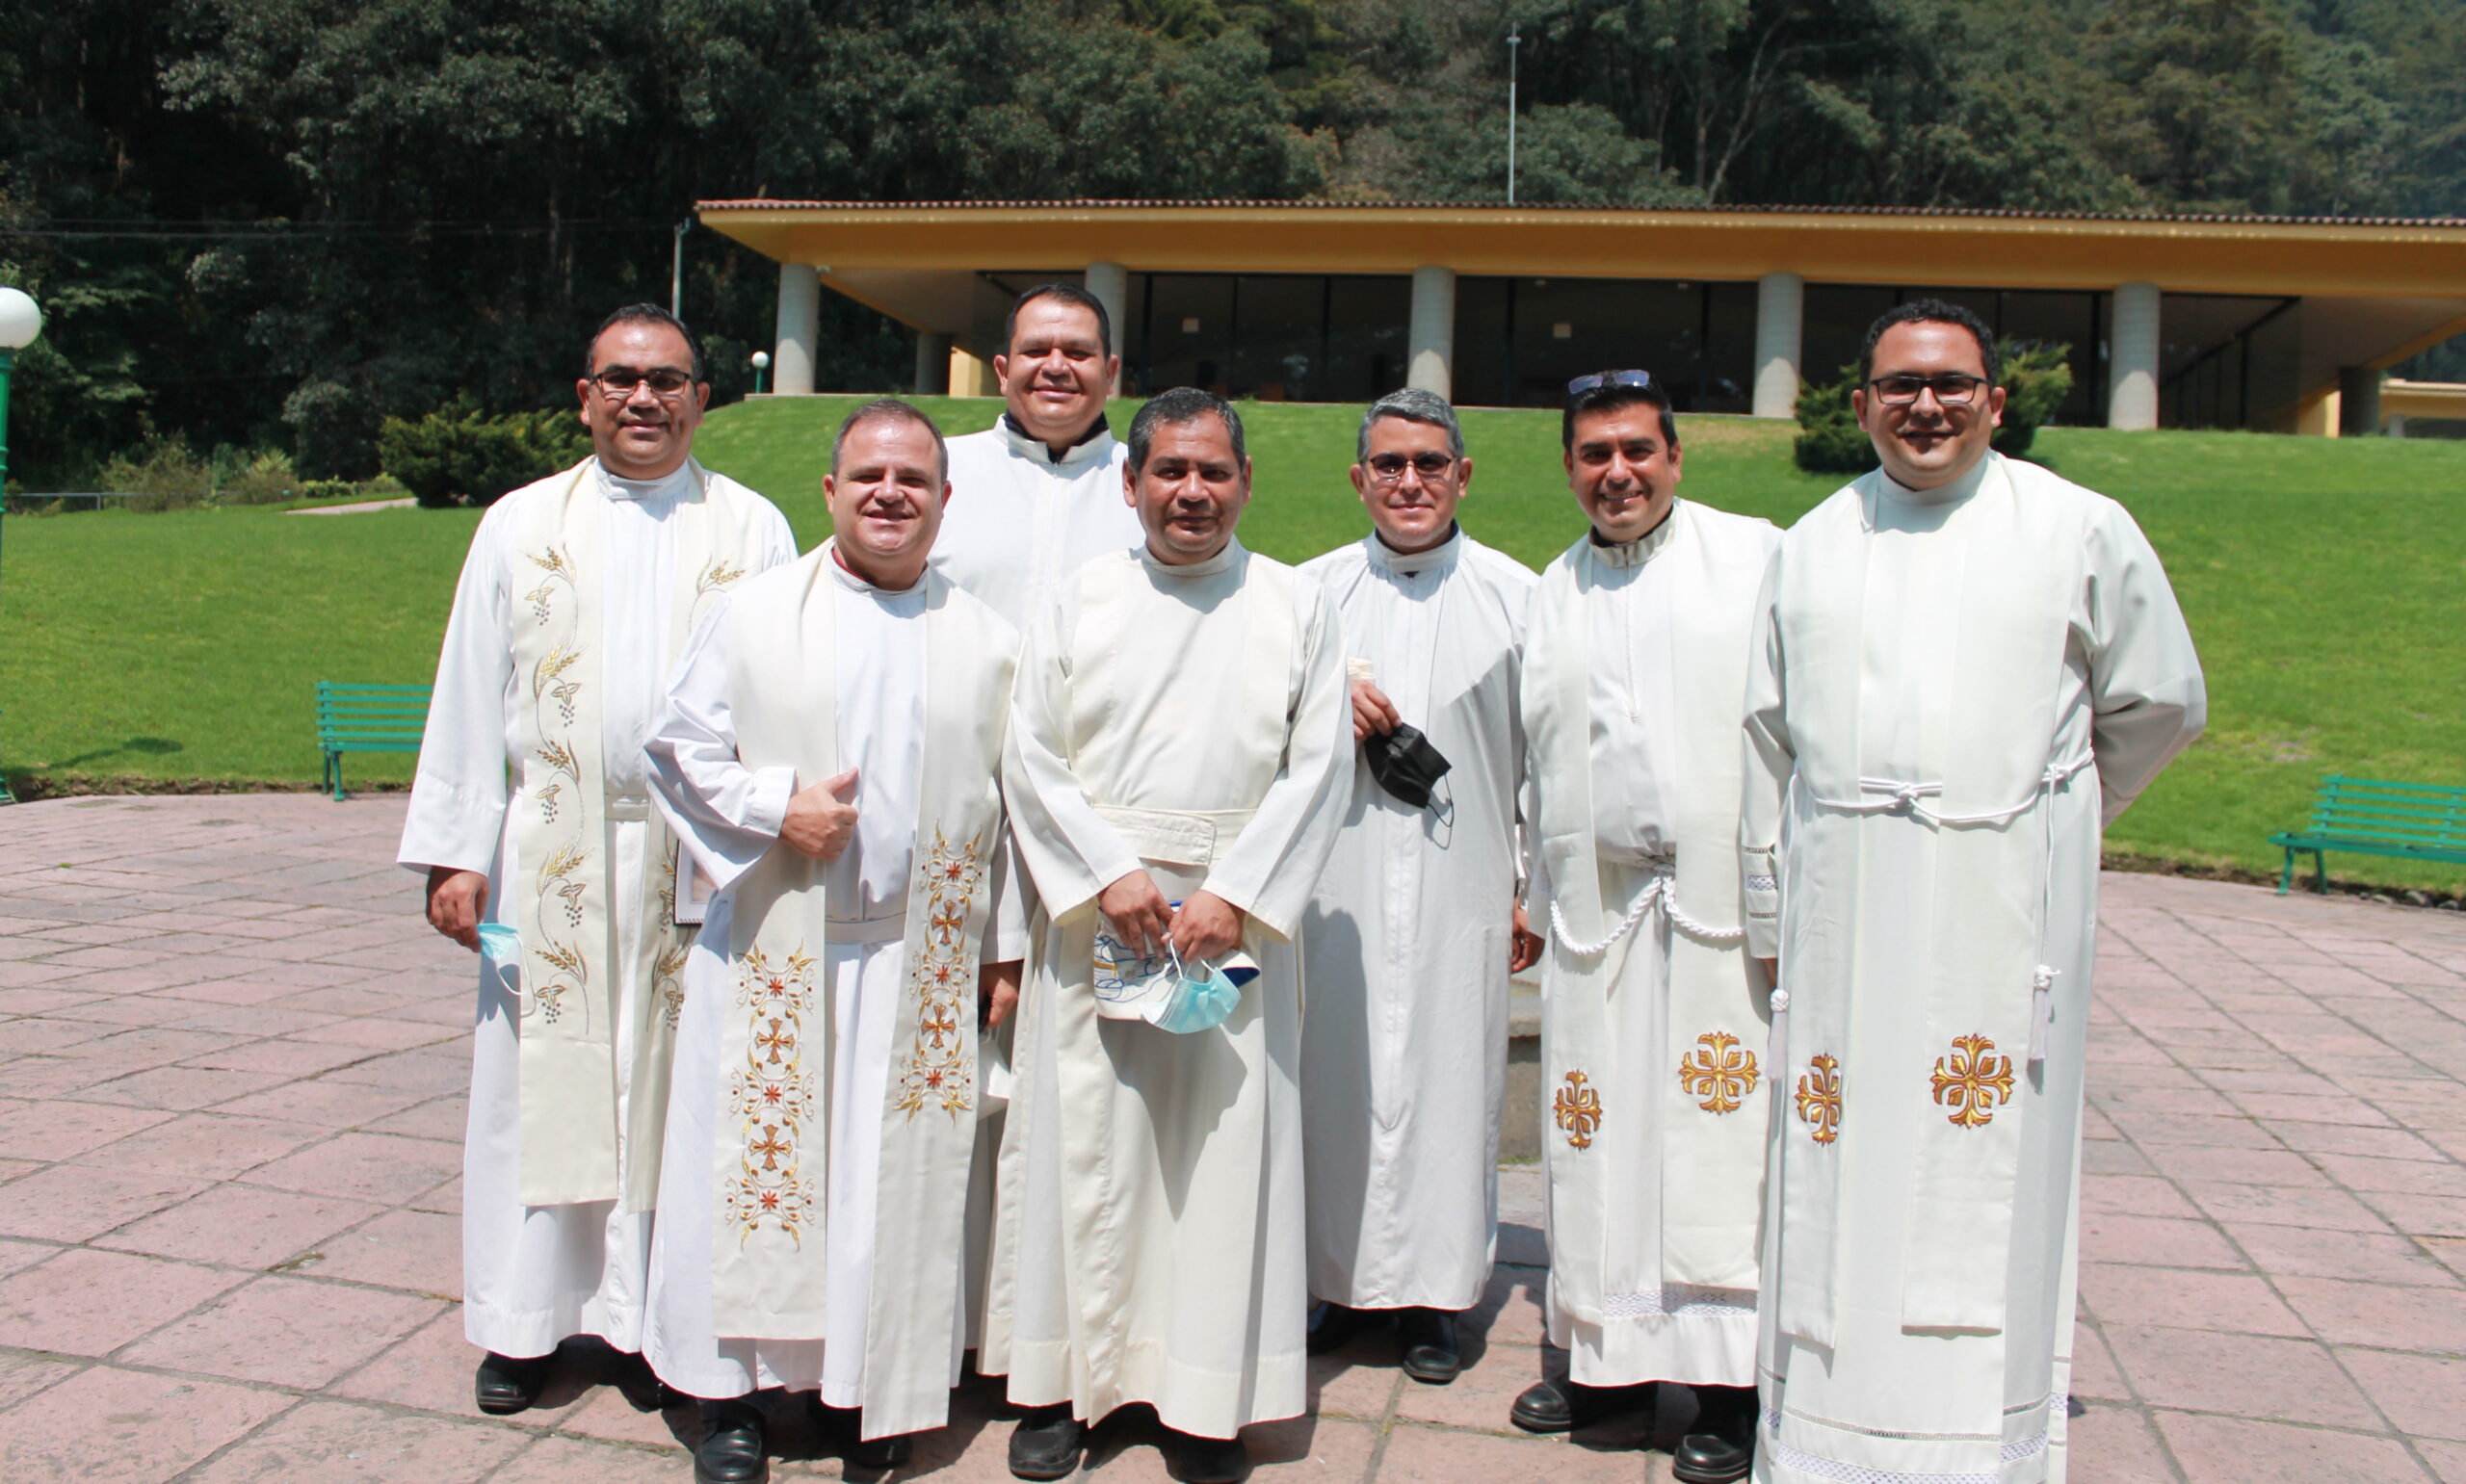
[
  {"x": 1415, "y": 928},
  {"x": 576, "y": 597},
  {"x": 831, "y": 756},
  {"x": 1653, "y": 1017},
  {"x": 1175, "y": 772},
  {"x": 1965, "y": 666},
  {"x": 1040, "y": 494}
]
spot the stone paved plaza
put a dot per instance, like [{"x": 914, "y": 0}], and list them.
[{"x": 232, "y": 1075}]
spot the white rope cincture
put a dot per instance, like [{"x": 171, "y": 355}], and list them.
[{"x": 1664, "y": 889}]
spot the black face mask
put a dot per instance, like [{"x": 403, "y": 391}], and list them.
[{"x": 1405, "y": 763}]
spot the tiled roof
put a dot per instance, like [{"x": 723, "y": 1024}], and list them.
[{"x": 759, "y": 203}]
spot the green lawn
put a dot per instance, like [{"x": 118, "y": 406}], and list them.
[{"x": 2322, "y": 580}]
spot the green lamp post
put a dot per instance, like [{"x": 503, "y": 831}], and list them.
[
  {"x": 761, "y": 361},
  {"x": 21, "y": 321}
]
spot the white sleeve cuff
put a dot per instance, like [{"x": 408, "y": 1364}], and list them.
[{"x": 765, "y": 799}]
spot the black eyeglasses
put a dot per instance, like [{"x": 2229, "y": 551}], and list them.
[
  {"x": 1391, "y": 467},
  {"x": 1601, "y": 379},
  {"x": 619, "y": 381},
  {"x": 1953, "y": 388}
]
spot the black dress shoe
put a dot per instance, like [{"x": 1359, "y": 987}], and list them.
[
  {"x": 507, "y": 1383},
  {"x": 1047, "y": 1443},
  {"x": 1429, "y": 1339},
  {"x": 1332, "y": 1326},
  {"x": 731, "y": 1450},
  {"x": 643, "y": 1391},
  {"x": 1721, "y": 1447},
  {"x": 1205, "y": 1460},
  {"x": 879, "y": 1452},
  {"x": 1559, "y": 1405}
]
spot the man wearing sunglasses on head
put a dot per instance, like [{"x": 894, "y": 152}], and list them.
[
  {"x": 1415, "y": 928},
  {"x": 1964, "y": 665},
  {"x": 575, "y": 600},
  {"x": 1653, "y": 1018}
]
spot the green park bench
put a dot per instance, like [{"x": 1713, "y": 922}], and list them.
[
  {"x": 367, "y": 719},
  {"x": 2413, "y": 821}
]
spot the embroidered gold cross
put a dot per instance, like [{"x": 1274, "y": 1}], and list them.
[
  {"x": 1579, "y": 1109},
  {"x": 1719, "y": 1071},
  {"x": 780, "y": 1037},
  {"x": 771, "y": 1146},
  {"x": 1971, "y": 1081},
  {"x": 1819, "y": 1098}
]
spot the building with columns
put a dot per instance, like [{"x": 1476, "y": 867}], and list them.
[{"x": 2269, "y": 323}]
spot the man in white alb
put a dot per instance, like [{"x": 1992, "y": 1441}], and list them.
[
  {"x": 1965, "y": 666},
  {"x": 1040, "y": 494},
  {"x": 576, "y": 597},
  {"x": 830, "y": 756},
  {"x": 1415, "y": 930},
  {"x": 1175, "y": 774},
  {"x": 1653, "y": 1016}
]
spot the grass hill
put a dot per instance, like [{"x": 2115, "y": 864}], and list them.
[{"x": 2320, "y": 577}]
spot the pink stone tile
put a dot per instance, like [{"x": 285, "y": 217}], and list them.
[
  {"x": 2093, "y": 1367},
  {"x": 2377, "y": 1314},
  {"x": 211, "y": 1146},
  {"x": 22, "y": 1376},
  {"x": 2154, "y": 1129},
  {"x": 2331, "y": 1138},
  {"x": 2449, "y": 1250},
  {"x": 2236, "y": 1166},
  {"x": 2313, "y": 1253},
  {"x": 2277, "y": 1106},
  {"x": 70, "y": 1203},
  {"x": 241, "y": 1226},
  {"x": 2424, "y": 1215},
  {"x": 1429, "y": 1455},
  {"x": 249, "y": 991},
  {"x": 1480, "y": 1398},
  {"x": 2285, "y": 1206},
  {"x": 128, "y": 1426},
  {"x": 432, "y": 1072},
  {"x": 54, "y": 1037},
  {"x": 1510, "y": 1309},
  {"x": 2231, "y": 1303},
  {"x": 602, "y": 1411},
  {"x": 52, "y": 1130},
  {"x": 330, "y": 1440},
  {"x": 446, "y": 1198},
  {"x": 180, "y": 1087},
  {"x": 2154, "y": 1241},
  {"x": 2412, "y": 1176},
  {"x": 2115, "y": 1195},
  {"x": 1342, "y": 1386},
  {"x": 248, "y": 1020},
  {"x": 2447, "y": 1460},
  {"x": 285, "y": 1332},
  {"x": 2107, "y": 1157},
  {"x": 1311, "y": 1450},
  {"x": 85, "y": 1302},
  {"x": 561, "y": 1460},
  {"x": 440, "y": 1118},
  {"x": 2424, "y": 1394},
  {"x": 383, "y": 1167},
  {"x": 331, "y": 1105},
  {"x": 2231, "y": 1451},
  {"x": 430, "y": 1369},
  {"x": 2115, "y": 1446},
  {"x": 2291, "y": 1380},
  {"x": 420, "y": 1252},
  {"x": 385, "y": 1035},
  {"x": 286, "y": 1058}
]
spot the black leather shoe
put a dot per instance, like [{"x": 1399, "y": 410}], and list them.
[
  {"x": 643, "y": 1391},
  {"x": 1559, "y": 1405},
  {"x": 879, "y": 1452},
  {"x": 731, "y": 1450},
  {"x": 1205, "y": 1460},
  {"x": 1332, "y": 1327},
  {"x": 1429, "y": 1339},
  {"x": 507, "y": 1383},
  {"x": 1047, "y": 1443},
  {"x": 1722, "y": 1448}
]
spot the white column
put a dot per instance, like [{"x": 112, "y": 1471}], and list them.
[
  {"x": 2132, "y": 359},
  {"x": 932, "y": 363},
  {"x": 1780, "y": 317},
  {"x": 1429, "y": 354},
  {"x": 1110, "y": 282},
  {"x": 799, "y": 331}
]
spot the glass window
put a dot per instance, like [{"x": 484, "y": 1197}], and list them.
[
  {"x": 2034, "y": 318},
  {"x": 1279, "y": 336},
  {"x": 1188, "y": 333},
  {"x": 1366, "y": 339},
  {"x": 1835, "y": 326}
]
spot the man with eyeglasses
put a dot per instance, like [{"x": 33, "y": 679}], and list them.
[
  {"x": 575, "y": 599},
  {"x": 1415, "y": 928},
  {"x": 1038, "y": 494},
  {"x": 1653, "y": 1016},
  {"x": 1964, "y": 667}
]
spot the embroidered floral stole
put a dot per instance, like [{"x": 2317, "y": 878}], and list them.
[
  {"x": 1709, "y": 1102},
  {"x": 569, "y": 927},
  {"x": 772, "y": 1132}
]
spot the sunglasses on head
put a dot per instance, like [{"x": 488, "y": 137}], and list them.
[{"x": 1601, "y": 379}]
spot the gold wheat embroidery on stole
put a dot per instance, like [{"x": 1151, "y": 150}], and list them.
[{"x": 938, "y": 1070}]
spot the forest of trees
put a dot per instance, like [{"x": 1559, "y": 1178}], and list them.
[{"x": 270, "y": 223}]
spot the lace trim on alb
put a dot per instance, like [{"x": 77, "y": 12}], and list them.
[
  {"x": 1803, "y": 1462},
  {"x": 1686, "y": 1300},
  {"x": 1763, "y": 883}
]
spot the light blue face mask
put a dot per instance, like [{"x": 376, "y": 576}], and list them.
[
  {"x": 1202, "y": 1002},
  {"x": 501, "y": 944}
]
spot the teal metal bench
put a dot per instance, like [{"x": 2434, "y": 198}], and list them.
[
  {"x": 367, "y": 719},
  {"x": 2413, "y": 821}
]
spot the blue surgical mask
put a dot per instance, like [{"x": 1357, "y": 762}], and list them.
[
  {"x": 501, "y": 944},
  {"x": 1201, "y": 1001}
]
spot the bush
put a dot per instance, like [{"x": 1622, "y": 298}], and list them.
[
  {"x": 166, "y": 474},
  {"x": 2036, "y": 378},
  {"x": 456, "y": 456}
]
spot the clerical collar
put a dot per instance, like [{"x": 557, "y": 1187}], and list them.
[
  {"x": 1222, "y": 562},
  {"x": 1952, "y": 493},
  {"x": 1640, "y": 550},
  {"x": 854, "y": 584},
  {"x": 667, "y": 486},
  {"x": 1408, "y": 563},
  {"x": 1096, "y": 439}
]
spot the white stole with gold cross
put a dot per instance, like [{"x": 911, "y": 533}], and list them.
[
  {"x": 1712, "y": 1100},
  {"x": 772, "y": 1131},
  {"x": 2016, "y": 551},
  {"x": 569, "y": 973}
]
